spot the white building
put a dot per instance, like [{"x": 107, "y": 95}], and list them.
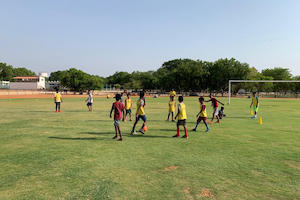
[{"x": 29, "y": 82}]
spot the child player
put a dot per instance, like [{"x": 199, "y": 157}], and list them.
[
  {"x": 128, "y": 105},
  {"x": 181, "y": 115},
  {"x": 202, "y": 115},
  {"x": 254, "y": 104},
  {"x": 90, "y": 101},
  {"x": 172, "y": 105},
  {"x": 118, "y": 109},
  {"x": 140, "y": 113},
  {"x": 215, "y": 105},
  {"x": 57, "y": 100}
]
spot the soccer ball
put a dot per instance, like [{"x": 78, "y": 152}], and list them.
[{"x": 145, "y": 128}]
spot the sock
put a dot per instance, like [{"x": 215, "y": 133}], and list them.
[
  {"x": 206, "y": 126},
  {"x": 185, "y": 132},
  {"x": 178, "y": 132},
  {"x": 196, "y": 125}
]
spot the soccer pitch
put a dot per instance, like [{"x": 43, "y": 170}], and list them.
[{"x": 71, "y": 155}]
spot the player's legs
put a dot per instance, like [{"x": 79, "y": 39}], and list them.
[
  {"x": 172, "y": 116},
  {"x": 144, "y": 118},
  {"x": 197, "y": 123},
  {"x": 134, "y": 125},
  {"x": 119, "y": 129},
  {"x": 178, "y": 131},
  {"x": 204, "y": 121},
  {"x": 58, "y": 106},
  {"x": 116, "y": 132},
  {"x": 185, "y": 132},
  {"x": 168, "y": 116}
]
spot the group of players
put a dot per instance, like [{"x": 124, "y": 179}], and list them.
[{"x": 122, "y": 109}]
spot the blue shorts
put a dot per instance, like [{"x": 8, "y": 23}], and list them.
[
  {"x": 89, "y": 104},
  {"x": 128, "y": 111},
  {"x": 143, "y": 117}
]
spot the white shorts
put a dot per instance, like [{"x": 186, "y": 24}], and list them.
[{"x": 216, "y": 111}]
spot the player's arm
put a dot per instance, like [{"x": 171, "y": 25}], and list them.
[
  {"x": 251, "y": 103},
  {"x": 178, "y": 111},
  {"x": 61, "y": 99},
  {"x": 111, "y": 110},
  {"x": 220, "y": 102}
]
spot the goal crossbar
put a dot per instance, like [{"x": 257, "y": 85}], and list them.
[{"x": 257, "y": 81}]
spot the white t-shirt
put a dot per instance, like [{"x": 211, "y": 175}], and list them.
[{"x": 90, "y": 98}]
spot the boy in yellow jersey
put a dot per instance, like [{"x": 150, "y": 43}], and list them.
[
  {"x": 181, "y": 115},
  {"x": 140, "y": 113},
  {"x": 255, "y": 104},
  {"x": 202, "y": 115},
  {"x": 172, "y": 105},
  {"x": 57, "y": 101},
  {"x": 128, "y": 105},
  {"x": 172, "y": 93}
]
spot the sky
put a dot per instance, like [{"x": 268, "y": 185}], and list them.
[{"x": 104, "y": 36}]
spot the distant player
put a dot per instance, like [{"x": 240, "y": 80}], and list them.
[
  {"x": 221, "y": 113},
  {"x": 172, "y": 105},
  {"x": 181, "y": 115},
  {"x": 172, "y": 93},
  {"x": 128, "y": 106},
  {"x": 118, "y": 109},
  {"x": 57, "y": 100},
  {"x": 140, "y": 113},
  {"x": 255, "y": 104},
  {"x": 90, "y": 101},
  {"x": 202, "y": 115},
  {"x": 215, "y": 106}
]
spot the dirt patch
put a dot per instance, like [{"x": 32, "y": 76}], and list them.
[
  {"x": 206, "y": 193},
  {"x": 171, "y": 168},
  {"x": 293, "y": 164},
  {"x": 187, "y": 192}
]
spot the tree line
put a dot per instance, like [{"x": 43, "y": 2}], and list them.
[
  {"x": 179, "y": 74},
  {"x": 7, "y": 72}
]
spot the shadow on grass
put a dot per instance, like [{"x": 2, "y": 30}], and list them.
[
  {"x": 96, "y": 133},
  {"x": 151, "y": 136},
  {"x": 77, "y": 138}
]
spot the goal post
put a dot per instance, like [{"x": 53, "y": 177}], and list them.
[{"x": 257, "y": 81}]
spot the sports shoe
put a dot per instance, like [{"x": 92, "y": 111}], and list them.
[
  {"x": 175, "y": 136},
  {"x": 254, "y": 117},
  {"x": 132, "y": 133},
  {"x": 207, "y": 130},
  {"x": 141, "y": 131},
  {"x": 114, "y": 137},
  {"x": 210, "y": 122},
  {"x": 194, "y": 129},
  {"x": 185, "y": 137}
]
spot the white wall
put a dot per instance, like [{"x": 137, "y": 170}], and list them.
[{"x": 24, "y": 85}]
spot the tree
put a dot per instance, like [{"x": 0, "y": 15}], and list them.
[
  {"x": 21, "y": 71},
  {"x": 6, "y": 72},
  {"x": 279, "y": 74}
]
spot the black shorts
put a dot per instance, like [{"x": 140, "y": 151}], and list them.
[
  {"x": 201, "y": 118},
  {"x": 89, "y": 104},
  {"x": 128, "y": 111},
  {"x": 181, "y": 122},
  {"x": 143, "y": 117}
]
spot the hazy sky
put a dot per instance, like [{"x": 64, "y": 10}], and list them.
[{"x": 104, "y": 36}]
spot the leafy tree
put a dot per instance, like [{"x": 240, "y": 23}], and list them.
[
  {"x": 21, "y": 71},
  {"x": 6, "y": 72}
]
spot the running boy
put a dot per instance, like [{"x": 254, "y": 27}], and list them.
[
  {"x": 202, "y": 115},
  {"x": 215, "y": 105},
  {"x": 140, "y": 113},
  {"x": 255, "y": 104},
  {"x": 128, "y": 106},
  {"x": 90, "y": 101},
  {"x": 172, "y": 105},
  {"x": 181, "y": 114},
  {"x": 57, "y": 100},
  {"x": 118, "y": 109}
]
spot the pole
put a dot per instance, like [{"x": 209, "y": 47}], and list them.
[{"x": 229, "y": 92}]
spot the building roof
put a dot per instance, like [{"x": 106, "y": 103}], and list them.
[{"x": 26, "y": 77}]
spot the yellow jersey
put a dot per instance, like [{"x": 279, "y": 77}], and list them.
[
  {"x": 128, "y": 104},
  {"x": 140, "y": 107},
  {"x": 171, "y": 106},
  {"x": 203, "y": 108},
  {"x": 255, "y": 101},
  {"x": 57, "y": 97},
  {"x": 182, "y": 111}
]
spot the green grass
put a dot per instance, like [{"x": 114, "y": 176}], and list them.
[{"x": 70, "y": 155}]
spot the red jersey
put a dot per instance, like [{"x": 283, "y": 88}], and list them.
[
  {"x": 118, "y": 108},
  {"x": 214, "y": 102}
]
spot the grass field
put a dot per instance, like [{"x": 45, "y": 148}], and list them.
[{"x": 71, "y": 155}]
